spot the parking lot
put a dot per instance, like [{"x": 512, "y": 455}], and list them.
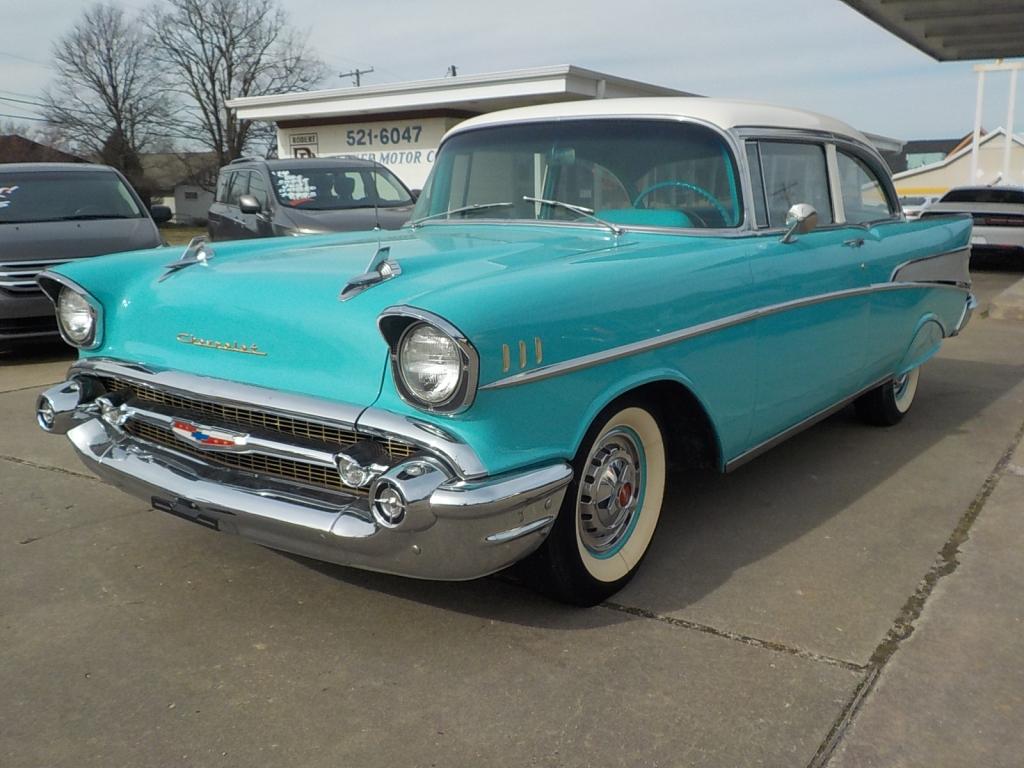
[{"x": 851, "y": 598}]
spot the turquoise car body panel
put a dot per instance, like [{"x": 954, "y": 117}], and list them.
[{"x": 577, "y": 289}]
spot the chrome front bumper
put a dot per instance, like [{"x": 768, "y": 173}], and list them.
[{"x": 454, "y": 529}]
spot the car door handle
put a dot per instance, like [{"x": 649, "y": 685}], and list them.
[{"x": 854, "y": 242}]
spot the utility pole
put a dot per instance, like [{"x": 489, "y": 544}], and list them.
[{"x": 356, "y": 75}]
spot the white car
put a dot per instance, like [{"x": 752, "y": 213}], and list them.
[
  {"x": 914, "y": 205},
  {"x": 998, "y": 214}
]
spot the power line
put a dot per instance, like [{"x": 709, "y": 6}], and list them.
[
  {"x": 24, "y": 117},
  {"x": 26, "y": 59}
]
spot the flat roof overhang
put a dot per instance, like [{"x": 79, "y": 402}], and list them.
[
  {"x": 472, "y": 94},
  {"x": 952, "y": 30}
]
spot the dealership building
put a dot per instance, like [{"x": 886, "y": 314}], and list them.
[{"x": 401, "y": 124}]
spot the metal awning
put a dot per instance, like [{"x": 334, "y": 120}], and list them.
[{"x": 952, "y": 30}]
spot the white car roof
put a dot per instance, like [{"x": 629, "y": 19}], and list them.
[{"x": 724, "y": 113}]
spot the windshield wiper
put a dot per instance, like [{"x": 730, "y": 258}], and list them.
[
  {"x": 87, "y": 216},
  {"x": 586, "y": 212},
  {"x": 463, "y": 209}
]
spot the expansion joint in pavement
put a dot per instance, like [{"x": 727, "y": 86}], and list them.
[
  {"x": 48, "y": 468},
  {"x": 903, "y": 626},
  {"x": 22, "y": 389},
  {"x": 756, "y": 642}
]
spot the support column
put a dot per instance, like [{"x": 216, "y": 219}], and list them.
[
  {"x": 977, "y": 127},
  {"x": 1008, "y": 146}
]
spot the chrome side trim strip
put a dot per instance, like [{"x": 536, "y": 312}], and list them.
[
  {"x": 952, "y": 267},
  {"x": 800, "y": 426},
  {"x": 674, "y": 337}
]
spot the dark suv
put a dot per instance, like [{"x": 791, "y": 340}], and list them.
[
  {"x": 51, "y": 213},
  {"x": 265, "y": 198}
]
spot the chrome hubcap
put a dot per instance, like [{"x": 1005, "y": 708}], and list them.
[
  {"x": 899, "y": 385},
  {"x": 610, "y": 491}
]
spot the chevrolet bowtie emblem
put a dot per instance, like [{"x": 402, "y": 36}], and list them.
[
  {"x": 198, "y": 252},
  {"x": 208, "y": 437},
  {"x": 223, "y": 346}
]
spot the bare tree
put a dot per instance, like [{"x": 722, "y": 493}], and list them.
[
  {"x": 216, "y": 50},
  {"x": 107, "y": 99}
]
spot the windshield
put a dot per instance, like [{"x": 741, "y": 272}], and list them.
[
  {"x": 31, "y": 196},
  {"x": 331, "y": 188},
  {"x": 659, "y": 173}
]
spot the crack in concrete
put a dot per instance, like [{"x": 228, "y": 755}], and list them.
[
  {"x": 48, "y": 467},
  {"x": 30, "y": 386},
  {"x": 756, "y": 642},
  {"x": 904, "y": 624},
  {"x": 79, "y": 526}
]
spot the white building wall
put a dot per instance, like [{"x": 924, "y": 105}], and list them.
[
  {"x": 939, "y": 178},
  {"x": 191, "y": 204}
]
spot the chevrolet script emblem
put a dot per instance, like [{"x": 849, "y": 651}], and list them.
[{"x": 223, "y": 346}]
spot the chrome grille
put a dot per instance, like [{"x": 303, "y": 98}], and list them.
[
  {"x": 273, "y": 466},
  {"x": 239, "y": 415},
  {"x": 20, "y": 276}
]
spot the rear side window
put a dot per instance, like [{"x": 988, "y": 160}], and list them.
[
  {"x": 864, "y": 197},
  {"x": 795, "y": 173},
  {"x": 985, "y": 195}
]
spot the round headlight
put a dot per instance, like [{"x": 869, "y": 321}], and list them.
[
  {"x": 76, "y": 316},
  {"x": 430, "y": 364}
]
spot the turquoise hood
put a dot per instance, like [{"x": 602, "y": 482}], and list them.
[{"x": 278, "y": 299}]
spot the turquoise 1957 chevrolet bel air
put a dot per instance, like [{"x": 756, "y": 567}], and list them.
[{"x": 585, "y": 291}]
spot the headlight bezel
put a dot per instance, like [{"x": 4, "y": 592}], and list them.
[
  {"x": 53, "y": 286},
  {"x": 396, "y": 324}
]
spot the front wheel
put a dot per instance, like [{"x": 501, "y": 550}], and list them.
[
  {"x": 610, "y": 510},
  {"x": 888, "y": 403}
]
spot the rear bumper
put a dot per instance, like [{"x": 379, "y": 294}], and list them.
[
  {"x": 997, "y": 237},
  {"x": 455, "y": 529},
  {"x": 970, "y": 305}
]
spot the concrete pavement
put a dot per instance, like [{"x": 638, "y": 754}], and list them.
[{"x": 764, "y": 629}]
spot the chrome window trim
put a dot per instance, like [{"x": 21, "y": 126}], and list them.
[
  {"x": 731, "y": 140},
  {"x": 701, "y": 329},
  {"x": 393, "y": 334},
  {"x": 45, "y": 280},
  {"x": 373, "y": 422}
]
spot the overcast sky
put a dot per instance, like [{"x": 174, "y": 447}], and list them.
[{"x": 814, "y": 54}]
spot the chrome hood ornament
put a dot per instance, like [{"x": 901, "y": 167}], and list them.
[
  {"x": 381, "y": 267},
  {"x": 197, "y": 252}
]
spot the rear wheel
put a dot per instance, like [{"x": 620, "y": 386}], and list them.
[
  {"x": 610, "y": 510},
  {"x": 888, "y": 403}
]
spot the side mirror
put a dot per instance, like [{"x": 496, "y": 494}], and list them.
[
  {"x": 415, "y": 193},
  {"x": 800, "y": 219},
  {"x": 249, "y": 204},
  {"x": 161, "y": 213}
]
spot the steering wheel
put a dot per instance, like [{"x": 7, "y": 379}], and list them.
[{"x": 693, "y": 188}]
